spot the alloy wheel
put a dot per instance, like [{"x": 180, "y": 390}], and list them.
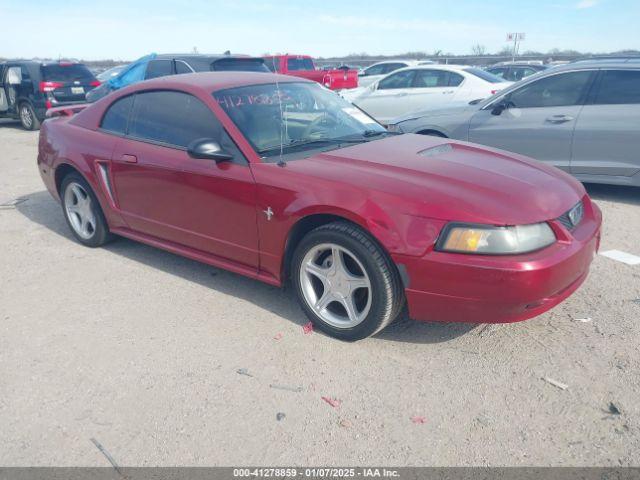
[
  {"x": 25, "y": 116},
  {"x": 79, "y": 210},
  {"x": 335, "y": 285}
]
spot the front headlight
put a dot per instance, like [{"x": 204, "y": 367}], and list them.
[{"x": 491, "y": 240}]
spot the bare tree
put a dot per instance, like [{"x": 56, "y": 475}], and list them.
[{"x": 478, "y": 49}]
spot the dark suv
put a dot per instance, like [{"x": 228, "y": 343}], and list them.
[
  {"x": 29, "y": 88},
  {"x": 175, "y": 64}
]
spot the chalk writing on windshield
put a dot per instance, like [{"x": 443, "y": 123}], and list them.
[{"x": 237, "y": 101}]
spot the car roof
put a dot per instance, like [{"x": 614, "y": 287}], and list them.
[
  {"x": 197, "y": 56},
  {"x": 214, "y": 81},
  {"x": 518, "y": 64},
  {"x": 599, "y": 63},
  {"x": 283, "y": 55},
  {"x": 397, "y": 60},
  {"x": 442, "y": 66},
  {"x": 41, "y": 62}
]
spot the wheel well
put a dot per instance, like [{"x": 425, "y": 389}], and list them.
[
  {"x": 23, "y": 101},
  {"x": 300, "y": 229},
  {"x": 432, "y": 132},
  {"x": 62, "y": 171}
]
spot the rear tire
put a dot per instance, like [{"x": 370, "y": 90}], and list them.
[
  {"x": 83, "y": 213},
  {"x": 346, "y": 284},
  {"x": 28, "y": 118}
]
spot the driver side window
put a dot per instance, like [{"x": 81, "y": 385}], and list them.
[
  {"x": 402, "y": 79},
  {"x": 561, "y": 90}
]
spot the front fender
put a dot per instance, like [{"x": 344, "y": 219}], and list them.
[{"x": 293, "y": 200}]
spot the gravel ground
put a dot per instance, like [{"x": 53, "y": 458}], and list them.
[{"x": 140, "y": 349}]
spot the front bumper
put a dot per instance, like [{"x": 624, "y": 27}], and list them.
[{"x": 453, "y": 287}]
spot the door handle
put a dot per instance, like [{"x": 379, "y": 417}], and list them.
[
  {"x": 401, "y": 94},
  {"x": 447, "y": 91},
  {"x": 129, "y": 158},
  {"x": 559, "y": 118}
]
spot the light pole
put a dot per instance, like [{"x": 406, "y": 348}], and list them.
[{"x": 516, "y": 38}]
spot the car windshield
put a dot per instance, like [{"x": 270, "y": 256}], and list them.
[
  {"x": 294, "y": 117},
  {"x": 484, "y": 75},
  {"x": 63, "y": 72}
]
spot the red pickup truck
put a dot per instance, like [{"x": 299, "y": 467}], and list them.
[{"x": 303, "y": 66}]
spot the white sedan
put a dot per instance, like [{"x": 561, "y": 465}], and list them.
[
  {"x": 379, "y": 70},
  {"x": 424, "y": 87}
]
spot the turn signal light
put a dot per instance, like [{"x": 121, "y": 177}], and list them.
[{"x": 464, "y": 240}]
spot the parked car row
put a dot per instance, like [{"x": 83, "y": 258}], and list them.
[
  {"x": 583, "y": 118},
  {"x": 28, "y": 88},
  {"x": 154, "y": 66},
  {"x": 383, "y": 100}
]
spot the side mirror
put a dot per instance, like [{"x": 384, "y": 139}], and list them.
[
  {"x": 362, "y": 73},
  {"x": 208, "y": 149},
  {"x": 500, "y": 107}
]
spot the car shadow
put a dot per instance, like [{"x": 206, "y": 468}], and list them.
[
  {"x": 11, "y": 124},
  {"x": 613, "y": 193},
  {"x": 40, "y": 208}
]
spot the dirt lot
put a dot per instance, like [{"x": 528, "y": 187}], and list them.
[{"x": 139, "y": 349}]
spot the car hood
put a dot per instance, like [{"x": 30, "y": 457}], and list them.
[{"x": 449, "y": 180}]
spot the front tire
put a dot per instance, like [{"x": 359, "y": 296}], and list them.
[
  {"x": 28, "y": 118},
  {"x": 345, "y": 283},
  {"x": 83, "y": 213}
]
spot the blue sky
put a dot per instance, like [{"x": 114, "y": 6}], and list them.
[{"x": 119, "y": 29}]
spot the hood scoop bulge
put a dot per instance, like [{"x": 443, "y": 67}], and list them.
[{"x": 437, "y": 150}]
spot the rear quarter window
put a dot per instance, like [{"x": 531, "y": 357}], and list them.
[{"x": 117, "y": 115}]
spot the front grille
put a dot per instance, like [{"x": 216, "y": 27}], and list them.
[{"x": 572, "y": 217}]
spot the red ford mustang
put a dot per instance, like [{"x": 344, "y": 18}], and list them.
[{"x": 277, "y": 178}]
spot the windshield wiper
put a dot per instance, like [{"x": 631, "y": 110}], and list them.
[
  {"x": 298, "y": 143},
  {"x": 375, "y": 133}
]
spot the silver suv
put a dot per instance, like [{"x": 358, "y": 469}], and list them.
[{"x": 582, "y": 117}]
